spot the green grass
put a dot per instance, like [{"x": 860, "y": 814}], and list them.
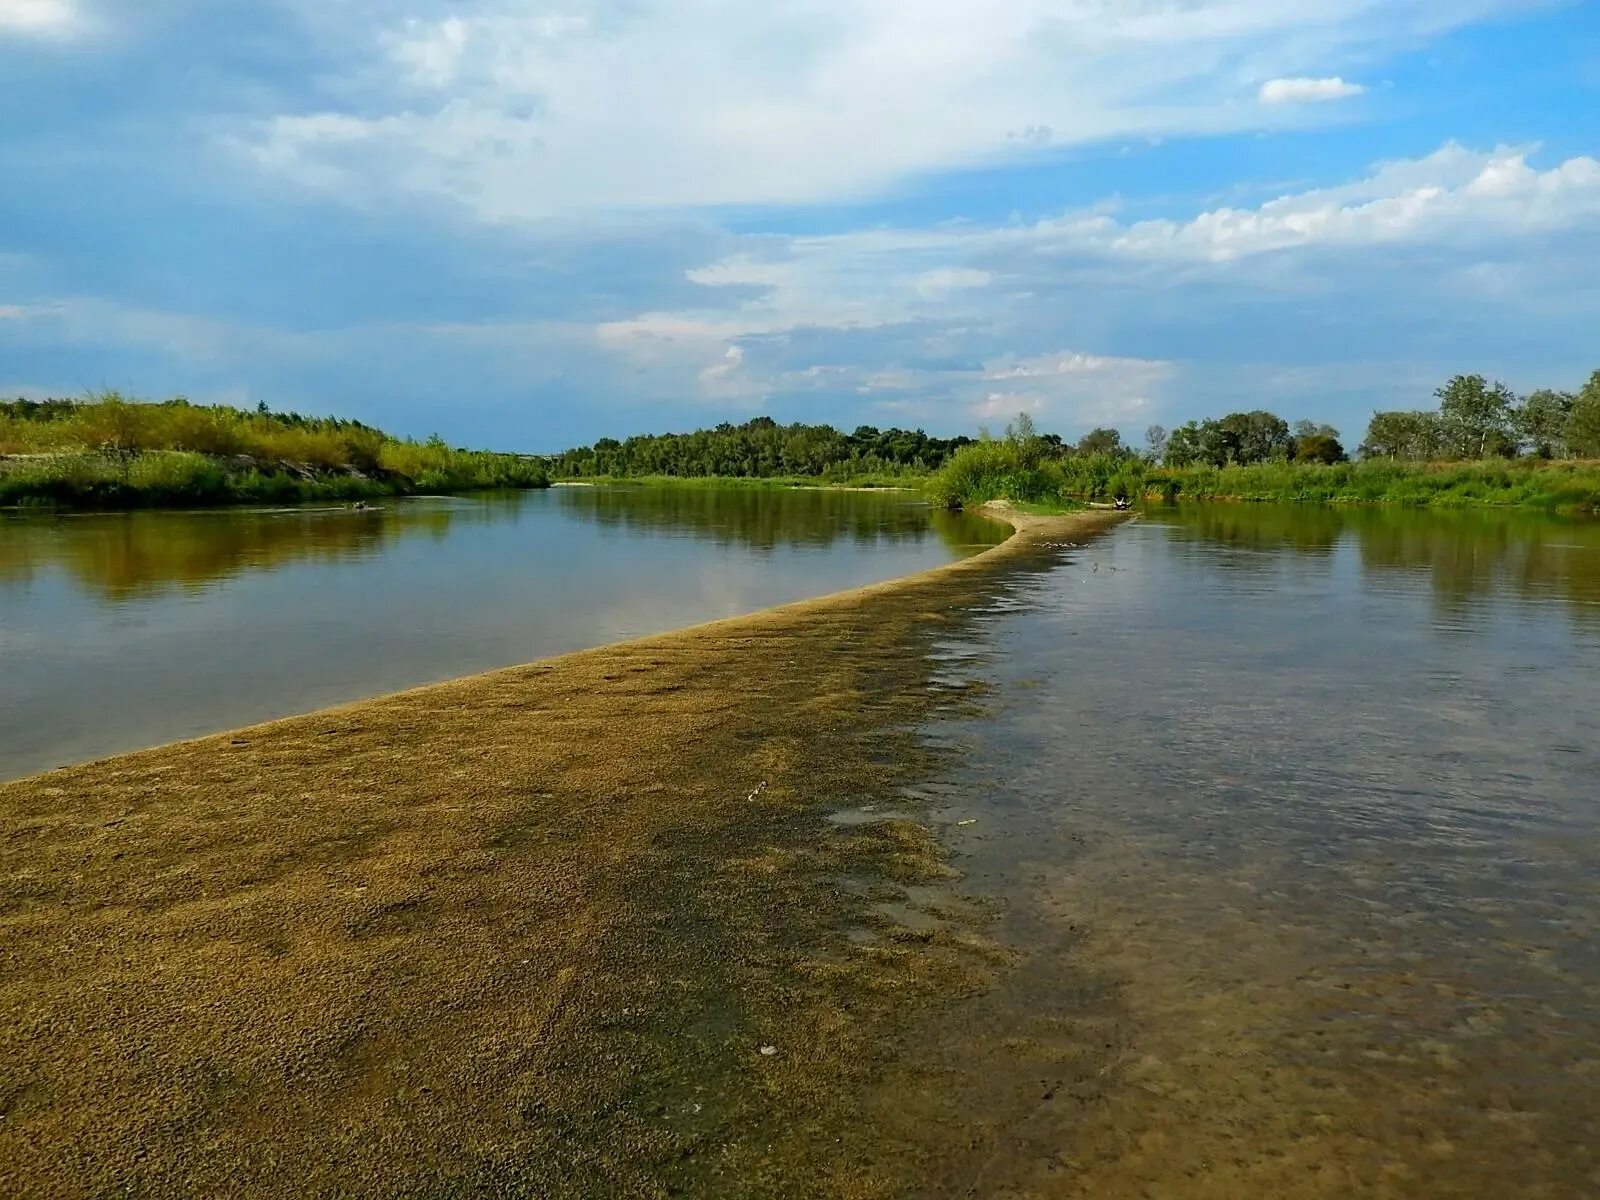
[
  {"x": 176, "y": 478},
  {"x": 1024, "y": 473},
  {"x": 108, "y": 452},
  {"x": 1554, "y": 486}
]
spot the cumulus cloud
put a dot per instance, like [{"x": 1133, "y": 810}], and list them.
[
  {"x": 584, "y": 105},
  {"x": 1308, "y": 91},
  {"x": 1454, "y": 195},
  {"x": 48, "y": 18},
  {"x": 1451, "y": 194},
  {"x": 1079, "y": 389},
  {"x": 952, "y": 324},
  {"x": 721, "y": 378}
]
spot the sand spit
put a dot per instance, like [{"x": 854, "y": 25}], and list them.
[{"x": 575, "y": 928}]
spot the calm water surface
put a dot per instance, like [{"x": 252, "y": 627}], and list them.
[
  {"x": 130, "y": 629},
  {"x": 1296, "y": 814}
]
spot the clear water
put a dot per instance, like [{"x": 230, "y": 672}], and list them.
[
  {"x": 123, "y": 630},
  {"x": 1296, "y": 815}
]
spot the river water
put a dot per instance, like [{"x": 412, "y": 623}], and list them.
[
  {"x": 1291, "y": 816},
  {"x": 1295, "y": 815},
  {"x": 124, "y": 630}
]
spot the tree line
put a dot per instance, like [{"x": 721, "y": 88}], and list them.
[
  {"x": 761, "y": 448},
  {"x": 111, "y": 424},
  {"x": 1477, "y": 419},
  {"x": 110, "y": 451}
]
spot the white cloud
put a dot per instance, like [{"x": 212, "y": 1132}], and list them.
[
  {"x": 41, "y": 18},
  {"x": 1075, "y": 388},
  {"x": 721, "y": 378},
  {"x": 881, "y": 314},
  {"x": 1302, "y": 90},
  {"x": 588, "y": 105},
  {"x": 944, "y": 280},
  {"x": 431, "y": 54},
  {"x": 1453, "y": 194}
]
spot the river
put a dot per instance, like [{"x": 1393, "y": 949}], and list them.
[
  {"x": 1275, "y": 830},
  {"x": 124, "y": 630},
  {"x": 1295, "y": 816}
]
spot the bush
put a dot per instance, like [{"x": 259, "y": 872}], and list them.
[
  {"x": 110, "y": 451},
  {"x": 993, "y": 470}
]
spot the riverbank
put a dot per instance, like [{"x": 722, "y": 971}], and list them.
[
  {"x": 910, "y": 481},
  {"x": 107, "y": 452},
  {"x": 181, "y": 479},
  {"x": 1024, "y": 474},
  {"x": 575, "y": 928},
  {"x": 1568, "y": 487}
]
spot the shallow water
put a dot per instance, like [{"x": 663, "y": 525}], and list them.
[
  {"x": 123, "y": 630},
  {"x": 1295, "y": 814}
]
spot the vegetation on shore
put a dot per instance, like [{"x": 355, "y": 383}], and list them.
[
  {"x": 1018, "y": 469},
  {"x": 763, "y": 449},
  {"x": 907, "y": 480},
  {"x": 110, "y": 452},
  {"x": 1483, "y": 446}
]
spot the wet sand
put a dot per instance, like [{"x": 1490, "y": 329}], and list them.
[{"x": 576, "y": 928}]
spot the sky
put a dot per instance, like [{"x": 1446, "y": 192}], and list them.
[{"x": 526, "y": 225}]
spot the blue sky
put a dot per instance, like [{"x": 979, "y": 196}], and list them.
[{"x": 528, "y": 224}]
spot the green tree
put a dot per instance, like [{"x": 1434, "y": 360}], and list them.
[
  {"x": 1219, "y": 444},
  {"x": 1319, "y": 448},
  {"x": 1315, "y": 442},
  {"x": 1182, "y": 445},
  {"x": 1412, "y": 435},
  {"x": 1198, "y": 442},
  {"x": 1155, "y": 443},
  {"x": 1583, "y": 423},
  {"x": 1100, "y": 441},
  {"x": 1256, "y": 436},
  {"x": 1541, "y": 422},
  {"x": 1476, "y": 415},
  {"x": 1023, "y": 435},
  {"x": 1305, "y": 429}
]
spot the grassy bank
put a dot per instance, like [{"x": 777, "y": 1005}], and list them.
[
  {"x": 110, "y": 453},
  {"x": 1012, "y": 469},
  {"x": 175, "y": 478}
]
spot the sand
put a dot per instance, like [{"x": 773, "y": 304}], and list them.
[{"x": 579, "y": 927}]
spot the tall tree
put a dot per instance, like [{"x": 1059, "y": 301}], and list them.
[
  {"x": 1183, "y": 446},
  {"x": 1100, "y": 441},
  {"x": 1253, "y": 437},
  {"x": 1541, "y": 422},
  {"x": 1476, "y": 415},
  {"x": 1305, "y": 429},
  {"x": 1583, "y": 424},
  {"x": 1410, "y": 435}
]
